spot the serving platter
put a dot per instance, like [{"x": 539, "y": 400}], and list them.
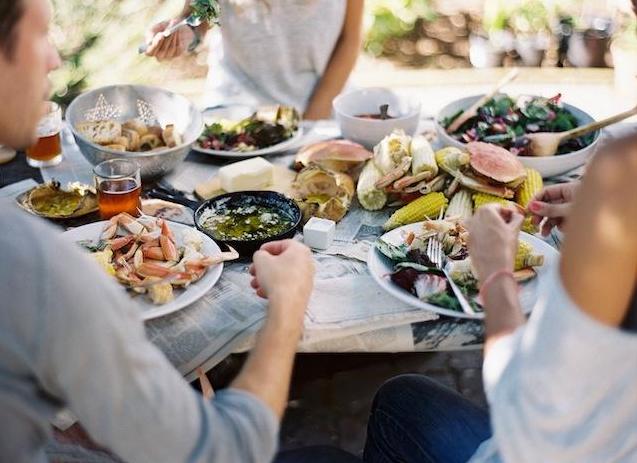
[
  {"x": 183, "y": 298},
  {"x": 381, "y": 268},
  {"x": 238, "y": 112}
]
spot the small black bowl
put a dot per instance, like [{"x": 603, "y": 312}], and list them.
[{"x": 246, "y": 248}]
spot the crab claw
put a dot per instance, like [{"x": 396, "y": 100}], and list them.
[
  {"x": 168, "y": 248},
  {"x": 166, "y": 231}
]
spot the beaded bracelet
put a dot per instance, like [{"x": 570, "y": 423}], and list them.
[{"x": 489, "y": 281}]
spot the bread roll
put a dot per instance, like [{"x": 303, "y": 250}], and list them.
[
  {"x": 150, "y": 142},
  {"x": 137, "y": 126},
  {"x": 101, "y": 132},
  {"x": 133, "y": 139}
]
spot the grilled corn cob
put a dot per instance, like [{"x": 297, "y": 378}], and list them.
[
  {"x": 482, "y": 199},
  {"x": 370, "y": 197},
  {"x": 428, "y": 206},
  {"x": 531, "y": 186},
  {"x": 424, "y": 159},
  {"x": 460, "y": 206},
  {"x": 525, "y": 258}
]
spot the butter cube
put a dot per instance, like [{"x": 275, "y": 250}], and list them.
[
  {"x": 319, "y": 233},
  {"x": 251, "y": 174}
]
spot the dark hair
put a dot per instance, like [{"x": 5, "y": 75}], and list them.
[{"x": 11, "y": 12}]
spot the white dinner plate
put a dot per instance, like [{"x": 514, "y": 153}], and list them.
[
  {"x": 380, "y": 267},
  {"x": 239, "y": 112},
  {"x": 183, "y": 297}
]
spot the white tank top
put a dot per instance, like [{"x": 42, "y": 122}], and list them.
[
  {"x": 273, "y": 51},
  {"x": 562, "y": 389}
]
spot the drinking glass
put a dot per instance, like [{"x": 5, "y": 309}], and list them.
[
  {"x": 118, "y": 184},
  {"x": 48, "y": 149}
]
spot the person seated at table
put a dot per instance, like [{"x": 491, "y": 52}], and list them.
[
  {"x": 297, "y": 53},
  {"x": 562, "y": 387},
  {"x": 70, "y": 336}
]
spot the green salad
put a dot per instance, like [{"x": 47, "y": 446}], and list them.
[{"x": 505, "y": 121}]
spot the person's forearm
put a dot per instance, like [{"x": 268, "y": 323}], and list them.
[
  {"x": 336, "y": 74},
  {"x": 502, "y": 309},
  {"x": 268, "y": 370}
]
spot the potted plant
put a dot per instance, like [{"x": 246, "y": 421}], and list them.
[
  {"x": 489, "y": 47},
  {"x": 531, "y": 25}
]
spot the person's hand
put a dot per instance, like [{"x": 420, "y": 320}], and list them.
[
  {"x": 165, "y": 48},
  {"x": 553, "y": 203},
  {"x": 493, "y": 239},
  {"x": 283, "y": 272}
]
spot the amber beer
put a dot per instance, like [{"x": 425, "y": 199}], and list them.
[
  {"x": 116, "y": 196},
  {"x": 48, "y": 149},
  {"x": 119, "y": 187}
]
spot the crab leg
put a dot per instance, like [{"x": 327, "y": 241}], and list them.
[
  {"x": 428, "y": 186},
  {"x": 394, "y": 174},
  {"x": 409, "y": 180},
  {"x": 155, "y": 253},
  {"x": 119, "y": 243}
]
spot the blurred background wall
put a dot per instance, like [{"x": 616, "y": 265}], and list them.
[{"x": 99, "y": 38}]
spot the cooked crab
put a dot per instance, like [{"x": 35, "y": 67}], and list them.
[
  {"x": 335, "y": 155},
  {"x": 144, "y": 255},
  {"x": 323, "y": 193},
  {"x": 485, "y": 168}
]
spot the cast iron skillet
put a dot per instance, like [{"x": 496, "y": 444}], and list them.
[{"x": 245, "y": 248}]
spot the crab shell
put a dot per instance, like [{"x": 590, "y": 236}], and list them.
[
  {"x": 496, "y": 163},
  {"x": 336, "y": 155}
]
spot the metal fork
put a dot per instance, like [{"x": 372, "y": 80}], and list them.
[{"x": 439, "y": 259}]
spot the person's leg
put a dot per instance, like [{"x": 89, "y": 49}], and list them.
[
  {"x": 316, "y": 455},
  {"x": 414, "y": 419}
]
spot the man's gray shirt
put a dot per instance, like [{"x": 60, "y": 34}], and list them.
[{"x": 69, "y": 337}]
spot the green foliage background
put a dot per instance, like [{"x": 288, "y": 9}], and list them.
[{"x": 98, "y": 41}]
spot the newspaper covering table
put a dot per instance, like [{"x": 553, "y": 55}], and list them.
[{"x": 348, "y": 312}]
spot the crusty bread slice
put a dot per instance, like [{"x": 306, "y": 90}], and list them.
[
  {"x": 101, "y": 132},
  {"x": 171, "y": 137}
]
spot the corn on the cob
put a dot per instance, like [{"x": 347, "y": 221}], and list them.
[
  {"x": 529, "y": 227},
  {"x": 531, "y": 186},
  {"x": 423, "y": 157},
  {"x": 482, "y": 199},
  {"x": 525, "y": 258},
  {"x": 370, "y": 197},
  {"x": 391, "y": 151},
  {"x": 460, "y": 206},
  {"x": 428, "y": 206}
]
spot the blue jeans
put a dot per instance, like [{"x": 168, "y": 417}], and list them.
[{"x": 414, "y": 419}]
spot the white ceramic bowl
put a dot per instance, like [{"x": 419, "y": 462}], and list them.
[
  {"x": 369, "y": 132},
  {"x": 547, "y": 166}
]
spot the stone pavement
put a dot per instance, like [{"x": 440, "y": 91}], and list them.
[{"x": 331, "y": 394}]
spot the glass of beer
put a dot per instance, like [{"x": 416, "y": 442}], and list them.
[
  {"x": 48, "y": 150},
  {"x": 119, "y": 186}
]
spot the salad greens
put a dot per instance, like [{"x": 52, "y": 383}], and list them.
[
  {"x": 505, "y": 121},
  {"x": 266, "y": 127},
  {"x": 205, "y": 10}
]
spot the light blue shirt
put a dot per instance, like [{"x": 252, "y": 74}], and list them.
[{"x": 69, "y": 337}]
